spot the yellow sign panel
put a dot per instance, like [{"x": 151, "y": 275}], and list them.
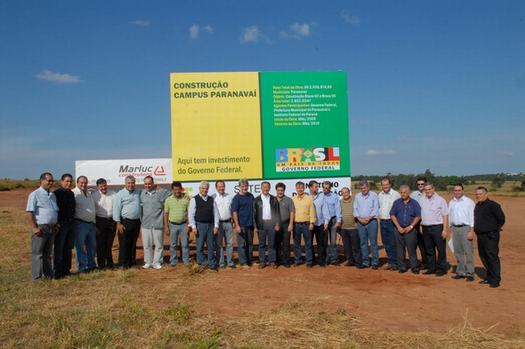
[{"x": 216, "y": 114}]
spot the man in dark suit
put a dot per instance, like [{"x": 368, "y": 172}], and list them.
[{"x": 267, "y": 218}]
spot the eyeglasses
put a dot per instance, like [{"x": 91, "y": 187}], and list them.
[
  {"x": 421, "y": 184},
  {"x": 50, "y": 180}
]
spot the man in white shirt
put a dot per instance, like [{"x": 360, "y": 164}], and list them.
[
  {"x": 103, "y": 198},
  {"x": 386, "y": 199},
  {"x": 461, "y": 218},
  {"x": 223, "y": 201},
  {"x": 85, "y": 231}
]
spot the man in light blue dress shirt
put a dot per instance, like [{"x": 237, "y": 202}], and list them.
[
  {"x": 42, "y": 211},
  {"x": 366, "y": 209},
  {"x": 126, "y": 212},
  {"x": 334, "y": 210},
  {"x": 322, "y": 220}
]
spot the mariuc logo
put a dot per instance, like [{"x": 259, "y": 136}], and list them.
[
  {"x": 159, "y": 171},
  {"x": 307, "y": 159}
]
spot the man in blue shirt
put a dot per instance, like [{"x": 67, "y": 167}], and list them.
[
  {"x": 126, "y": 212},
  {"x": 242, "y": 210},
  {"x": 42, "y": 211},
  {"x": 366, "y": 209},
  {"x": 406, "y": 214},
  {"x": 334, "y": 210},
  {"x": 321, "y": 223}
]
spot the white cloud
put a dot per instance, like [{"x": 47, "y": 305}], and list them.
[
  {"x": 208, "y": 29},
  {"x": 140, "y": 23},
  {"x": 60, "y": 78},
  {"x": 251, "y": 34},
  {"x": 505, "y": 153},
  {"x": 374, "y": 152},
  {"x": 296, "y": 31},
  {"x": 350, "y": 18},
  {"x": 194, "y": 32},
  {"x": 196, "y": 29}
]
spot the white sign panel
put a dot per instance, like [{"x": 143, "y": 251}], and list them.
[{"x": 115, "y": 171}]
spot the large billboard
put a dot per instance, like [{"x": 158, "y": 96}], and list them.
[{"x": 259, "y": 125}]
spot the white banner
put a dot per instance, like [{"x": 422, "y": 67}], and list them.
[
  {"x": 232, "y": 187},
  {"x": 115, "y": 171}
]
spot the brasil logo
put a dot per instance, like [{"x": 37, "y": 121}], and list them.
[{"x": 307, "y": 159}]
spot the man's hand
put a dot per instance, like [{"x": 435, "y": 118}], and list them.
[
  {"x": 215, "y": 231},
  {"x": 339, "y": 240},
  {"x": 290, "y": 228},
  {"x": 195, "y": 231},
  {"x": 444, "y": 234},
  {"x": 37, "y": 231},
  {"x": 167, "y": 231},
  {"x": 120, "y": 228},
  {"x": 338, "y": 225},
  {"x": 470, "y": 235},
  {"x": 277, "y": 227},
  {"x": 325, "y": 227},
  {"x": 237, "y": 229},
  {"x": 311, "y": 226}
]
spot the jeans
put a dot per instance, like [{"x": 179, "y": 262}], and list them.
[
  {"x": 332, "y": 250},
  {"x": 226, "y": 237},
  {"x": 245, "y": 245},
  {"x": 301, "y": 229},
  {"x": 351, "y": 246},
  {"x": 176, "y": 231},
  {"x": 267, "y": 233},
  {"x": 150, "y": 238},
  {"x": 368, "y": 232},
  {"x": 434, "y": 241},
  {"x": 206, "y": 236},
  {"x": 62, "y": 250},
  {"x": 86, "y": 245},
  {"x": 42, "y": 252},
  {"x": 105, "y": 237},
  {"x": 388, "y": 238},
  {"x": 463, "y": 250}
]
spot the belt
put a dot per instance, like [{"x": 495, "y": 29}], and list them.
[
  {"x": 386, "y": 219},
  {"x": 179, "y": 223},
  {"x": 132, "y": 220},
  {"x": 302, "y": 222},
  {"x": 432, "y": 225},
  {"x": 459, "y": 225},
  {"x": 225, "y": 220},
  {"x": 83, "y": 221}
]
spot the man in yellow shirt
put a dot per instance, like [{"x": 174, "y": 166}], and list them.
[{"x": 303, "y": 225}]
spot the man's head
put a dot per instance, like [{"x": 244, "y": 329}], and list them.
[
  {"x": 327, "y": 187},
  {"x": 102, "y": 185},
  {"x": 314, "y": 187},
  {"x": 404, "y": 191},
  {"x": 459, "y": 190},
  {"x": 386, "y": 184},
  {"x": 148, "y": 183},
  {"x": 265, "y": 188},
  {"x": 46, "y": 180},
  {"x": 299, "y": 188},
  {"x": 429, "y": 190},
  {"x": 82, "y": 183},
  {"x": 346, "y": 193},
  {"x": 220, "y": 186},
  {"x": 203, "y": 188},
  {"x": 243, "y": 186},
  {"x": 421, "y": 181},
  {"x": 66, "y": 181},
  {"x": 364, "y": 187},
  {"x": 130, "y": 183},
  {"x": 280, "y": 188},
  {"x": 481, "y": 194},
  {"x": 176, "y": 189}
]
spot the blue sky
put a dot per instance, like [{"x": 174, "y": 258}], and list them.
[{"x": 437, "y": 85}]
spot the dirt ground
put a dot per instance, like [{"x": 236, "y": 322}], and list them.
[{"x": 381, "y": 299}]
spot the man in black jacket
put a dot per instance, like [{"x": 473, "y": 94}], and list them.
[
  {"x": 488, "y": 221},
  {"x": 267, "y": 218},
  {"x": 65, "y": 236}
]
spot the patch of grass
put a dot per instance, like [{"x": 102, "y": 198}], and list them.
[{"x": 10, "y": 184}]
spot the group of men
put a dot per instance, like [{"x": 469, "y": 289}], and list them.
[{"x": 89, "y": 220}]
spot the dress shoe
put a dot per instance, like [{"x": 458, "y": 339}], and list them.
[
  {"x": 484, "y": 282},
  {"x": 457, "y": 277},
  {"x": 360, "y": 266},
  {"x": 415, "y": 271},
  {"x": 402, "y": 271},
  {"x": 494, "y": 285},
  {"x": 429, "y": 272},
  {"x": 349, "y": 264},
  {"x": 375, "y": 267},
  {"x": 441, "y": 273},
  {"x": 469, "y": 278}
]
